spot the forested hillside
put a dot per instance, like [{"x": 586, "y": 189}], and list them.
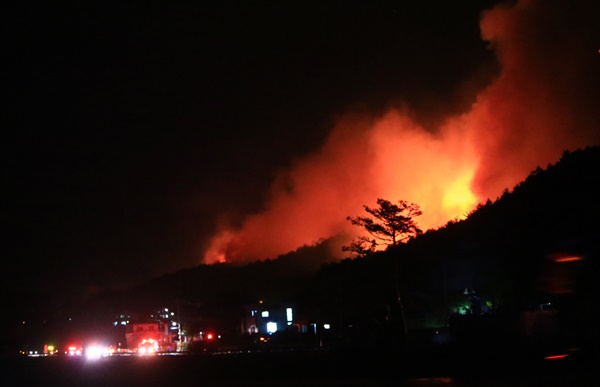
[{"x": 510, "y": 252}]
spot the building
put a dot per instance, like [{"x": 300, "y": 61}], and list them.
[
  {"x": 264, "y": 318},
  {"x": 157, "y": 333}
]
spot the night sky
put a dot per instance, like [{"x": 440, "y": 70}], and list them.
[{"x": 134, "y": 134}]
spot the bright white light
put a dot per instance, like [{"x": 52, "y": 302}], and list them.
[
  {"x": 265, "y": 313},
  {"x": 93, "y": 352},
  {"x": 289, "y": 314},
  {"x": 271, "y": 327},
  {"x": 326, "y": 326}
]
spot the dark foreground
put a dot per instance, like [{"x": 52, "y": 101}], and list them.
[{"x": 305, "y": 368}]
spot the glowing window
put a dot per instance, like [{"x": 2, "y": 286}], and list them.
[
  {"x": 271, "y": 327},
  {"x": 265, "y": 313}
]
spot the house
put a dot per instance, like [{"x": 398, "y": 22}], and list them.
[
  {"x": 139, "y": 334},
  {"x": 263, "y": 318}
]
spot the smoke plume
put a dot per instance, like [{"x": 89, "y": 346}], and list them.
[{"x": 544, "y": 101}]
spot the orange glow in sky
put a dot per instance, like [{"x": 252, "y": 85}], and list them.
[{"x": 520, "y": 121}]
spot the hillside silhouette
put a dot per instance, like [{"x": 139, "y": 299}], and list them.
[
  {"x": 505, "y": 251},
  {"x": 554, "y": 211},
  {"x": 535, "y": 245}
]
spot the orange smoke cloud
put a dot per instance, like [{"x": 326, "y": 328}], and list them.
[
  {"x": 546, "y": 98},
  {"x": 542, "y": 103}
]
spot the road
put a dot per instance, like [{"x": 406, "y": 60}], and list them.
[{"x": 296, "y": 368}]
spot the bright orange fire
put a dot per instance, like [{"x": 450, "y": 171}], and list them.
[{"x": 527, "y": 117}]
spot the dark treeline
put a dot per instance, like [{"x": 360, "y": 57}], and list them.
[{"x": 506, "y": 255}]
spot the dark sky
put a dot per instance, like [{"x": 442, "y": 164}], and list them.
[{"x": 131, "y": 129}]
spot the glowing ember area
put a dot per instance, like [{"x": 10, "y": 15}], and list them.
[
  {"x": 556, "y": 357},
  {"x": 534, "y": 110},
  {"x": 567, "y": 259}
]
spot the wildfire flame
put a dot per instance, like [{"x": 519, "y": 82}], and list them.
[{"x": 542, "y": 103}]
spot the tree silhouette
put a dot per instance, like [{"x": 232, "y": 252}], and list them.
[{"x": 389, "y": 224}]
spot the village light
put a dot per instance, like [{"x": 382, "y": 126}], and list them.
[
  {"x": 93, "y": 352},
  {"x": 271, "y": 327}
]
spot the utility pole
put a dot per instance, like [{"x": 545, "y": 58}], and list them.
[{"x": 179, "y": 342}]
